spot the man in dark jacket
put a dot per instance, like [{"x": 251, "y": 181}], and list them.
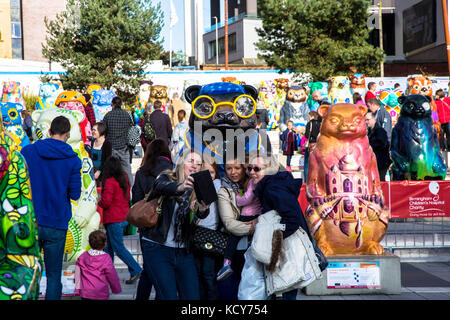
[
  {"x": 382, "y": 116},
  {"x": 161, "y": 122},
  {"x": 118, "y": 122},
  {"x": 378, "y": 140},
  {"x": 55, "y": 177}
]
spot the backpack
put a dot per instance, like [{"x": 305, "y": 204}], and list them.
[{"x": 147, "y": 130}]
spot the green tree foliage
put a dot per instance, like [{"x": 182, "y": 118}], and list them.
[
  {"x": 105, "y": 41},
  {"x": 321, "y": 37}
]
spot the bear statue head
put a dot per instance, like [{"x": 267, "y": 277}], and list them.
[
  {"x": 296, "y": 94},
  {"x": 343, "y": 121},
  {"x": 44, "y": 118},
  {"x": 222, "y": 105},
  {"x": 47, "y": 90},
  {"x": 416, "y": 106},
  {"x": 357, "y": 79}
]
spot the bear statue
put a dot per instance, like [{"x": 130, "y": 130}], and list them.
[
  {"x": 294, "y": 108},
  {"x": 92, "y": 87},
  {"x": 85, "y": 218},
  {"x": 415, "y": 151},
  {"x": 48, "y": 92},
  {"x": 346, "y": 213},
  {"x": 144, "y": 93},
  {"x": 340, "y": 90},
  {"x": 12, "y": 93},
  {"x": 388, "y": 99},
  {"x": 74, "y": 100},
  {"x": 322, "y": 87},
  {"x": 282, "y": 85},
  {"x": 20, "y": 259},
  {"x": 101, "y": 102},
  {"x": 423, "y": 85},
  {"x": 358, "y": 84},
  {"x": 268, "y": 97},
  {"x": 223, "y": 113},
  {"x": 12, "y": 123},
  {"x": 159, "y": 92}
]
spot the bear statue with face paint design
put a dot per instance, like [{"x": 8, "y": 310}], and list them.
[
  {"x": 415, "y": 148},
  {"x": 223, "y": 114}
]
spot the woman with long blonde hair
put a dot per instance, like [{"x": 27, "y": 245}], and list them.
[{"x": 166, "y": 247}]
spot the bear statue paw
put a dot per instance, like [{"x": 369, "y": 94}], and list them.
[
  {"x": 325, "y": 247},
  {"x": 373, "y": 247}
]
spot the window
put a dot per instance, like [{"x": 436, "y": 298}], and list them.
[
  {"x": 16, "y": 48},
  {"x": 231, "y": 46},
  {"x": 16, "y": 31}
]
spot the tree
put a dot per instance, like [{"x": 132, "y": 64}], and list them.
[
  {"x": 178, "y": 58},
  {"x": 320, "y": 37},
  {"x": 105, "y": 41}
]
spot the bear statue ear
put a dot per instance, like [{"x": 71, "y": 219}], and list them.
[
  {"x": 192, "y": 92},
  {"x": 251, "y": 91},
  {"x": 410, "y": 81},
  {"x": 428, "y": 98},
  {"x": 401, "y": 99},
  {"x": 363, "y": 109},
  {"x": 35, "y": 115},
  {"x": 323, "y": 110}
]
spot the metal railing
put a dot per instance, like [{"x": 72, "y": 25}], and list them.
[{"x": 426, "y": 233}]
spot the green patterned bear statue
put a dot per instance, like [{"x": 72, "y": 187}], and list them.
[{"x": 20, "y": 261}]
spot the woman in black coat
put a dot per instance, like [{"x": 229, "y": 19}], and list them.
[
  {"x": 156, "y": 160},
  {"x": 166, "y": 247}
]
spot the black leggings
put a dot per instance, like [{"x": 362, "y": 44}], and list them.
[{"x": 234, "y": 240}]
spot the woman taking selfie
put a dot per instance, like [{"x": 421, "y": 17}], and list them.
[{"x": 166, "y": 247}]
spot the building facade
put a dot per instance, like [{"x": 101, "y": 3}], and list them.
[
  {"x": 242, "y": 24},
  {"x": 22, "y": 27},
  {"x": 412, "y": 30}
]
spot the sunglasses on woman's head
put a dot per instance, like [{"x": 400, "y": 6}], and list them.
[{"x": 254, "y": 168}]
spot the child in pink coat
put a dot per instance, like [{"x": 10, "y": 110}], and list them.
[{"x": 94, "y": 271}]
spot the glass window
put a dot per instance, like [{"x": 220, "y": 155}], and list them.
[
  {"x": 16, "y": 31},
  {"x": 17, "y": 48},
  {"x": 15, "y": 3}
]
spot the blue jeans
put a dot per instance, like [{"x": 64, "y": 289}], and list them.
[
  {"x": 145, "y": 285},
  {"x": 206, "y": 265},
  {"x": 172, "y": 271},
  {"x": 114, "y": 244},
  {"x": 52, "y": 241},
  {"x": 305, "y": 165}
]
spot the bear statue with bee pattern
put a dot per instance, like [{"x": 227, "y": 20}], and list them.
[
  {"x": 415, "y": 147},
  {"x": 223, "y": 113}
]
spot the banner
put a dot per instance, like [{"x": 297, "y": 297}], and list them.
[
  {"x": 410, "y": 199},
  {"x": 417, "y": 199}
]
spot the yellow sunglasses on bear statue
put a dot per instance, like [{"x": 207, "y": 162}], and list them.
[{"x": 204, "y": 106}]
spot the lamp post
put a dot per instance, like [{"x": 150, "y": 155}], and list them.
[
  {"x": 380, "y": 17},
  {"x": 226, "y": 34},
  {"x": 217, "y": 42},
  {"x": 447, "y": 35}
]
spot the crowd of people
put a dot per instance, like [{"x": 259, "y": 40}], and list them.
[
  {"x": 379, "y": 129},
  {"x": 172, "y": 266}
]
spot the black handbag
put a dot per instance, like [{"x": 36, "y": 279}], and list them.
[{"x": 210, "y": 241}]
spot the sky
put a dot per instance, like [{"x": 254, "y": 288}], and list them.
[{"x": 178, "y": 28}]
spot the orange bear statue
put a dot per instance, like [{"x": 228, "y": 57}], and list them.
[{"x": 346, "y": 212}]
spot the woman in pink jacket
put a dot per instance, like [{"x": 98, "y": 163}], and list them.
[{"x": 95, "y": 272}]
